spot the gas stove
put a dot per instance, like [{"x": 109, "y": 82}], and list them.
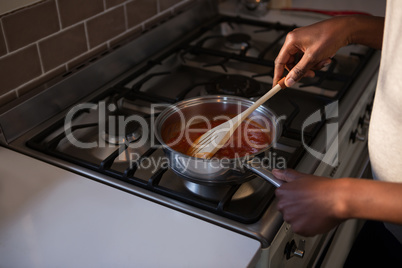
[
  {"x": 80, "y": 128},
  {"x": 223, "y": 60}
]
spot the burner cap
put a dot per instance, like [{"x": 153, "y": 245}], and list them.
[
  {"x": 234, "y": 85},
  {"x": 237, "y": 41},
  {"x": 132, "y": 132}
]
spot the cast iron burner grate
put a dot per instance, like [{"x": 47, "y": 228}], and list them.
[
  {"x": 252, "y": 49},
  {"x": 238, "y": 41},
  {"x": 51, "y": 140},
  {"x": 234, "y": 85},
  {"x": 247, "y": 211}
]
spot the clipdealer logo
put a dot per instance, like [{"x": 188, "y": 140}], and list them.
[
  {"x": 330, "y": 115},
  {"x": 114, "y": 121},
  {"x": 104, "y": 113}
]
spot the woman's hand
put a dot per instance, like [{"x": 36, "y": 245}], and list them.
[
  {"x": 310, "y": 204},
  {"x": 314, "y": 205},
  {"x": 316, "y": 44}
]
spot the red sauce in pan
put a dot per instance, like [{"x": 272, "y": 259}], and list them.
[{"x": 249, "y": 138}]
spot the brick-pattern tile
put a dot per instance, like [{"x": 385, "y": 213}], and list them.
[
  {"x": 165, "y": 4},
  {"x": 62, "y": 47},
  {"x": 157, "y": 20},
  {"x": 184, "y": 5},
  {"x": 31, "y": 24},
  {"x": 21, "y": 71},
  {"x": 3, "y": 49},
  {"x": 112, "y": 3},
  {"x": 126, "y": 37},
  {"x": 140, "y": 10},
  {"x": 86, "y": 57},
  {"x": 106, "y": 26},
  {"x": 74, "y": 11},
  {"x": 18, "y": 68}
]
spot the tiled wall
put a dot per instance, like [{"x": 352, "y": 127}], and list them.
[{"x": 51, "y": 37}]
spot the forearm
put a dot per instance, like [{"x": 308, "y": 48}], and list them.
[
  {"x": 369, "y": 199},
  {"x": 366, "y": 30}
]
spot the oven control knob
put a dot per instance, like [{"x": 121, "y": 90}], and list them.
[
  {"x": 356, "y": 135},
  {"x": 291, "y": 249},
  {"x": 364, "y": 121}
]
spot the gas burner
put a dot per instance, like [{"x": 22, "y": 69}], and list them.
[
  {"x": 234, "y": 85},
  {"x": 119, "y": 127},
  {"x": 248, "y": 188},
  {"x": 116, "y": 133},
  {"x": 238, "y": 41}
]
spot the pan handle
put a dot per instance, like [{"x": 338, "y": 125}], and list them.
[{"x": 257, "y": 169}]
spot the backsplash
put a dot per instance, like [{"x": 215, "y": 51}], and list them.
[{"x": 52, "y": 37}]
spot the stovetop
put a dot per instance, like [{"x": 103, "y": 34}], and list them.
[
  {"x": 201, "y": 52},
  {"x": 228, "y": 56}
]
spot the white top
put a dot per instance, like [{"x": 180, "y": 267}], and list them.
[
  {"x": 385, "y": 135},
  {"x": 50, "y": 217}
]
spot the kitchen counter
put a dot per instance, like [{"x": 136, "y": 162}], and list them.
[{"x": 50, "y": 217}]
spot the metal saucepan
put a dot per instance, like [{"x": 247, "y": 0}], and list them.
[{"x": 215, "y": 171}]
